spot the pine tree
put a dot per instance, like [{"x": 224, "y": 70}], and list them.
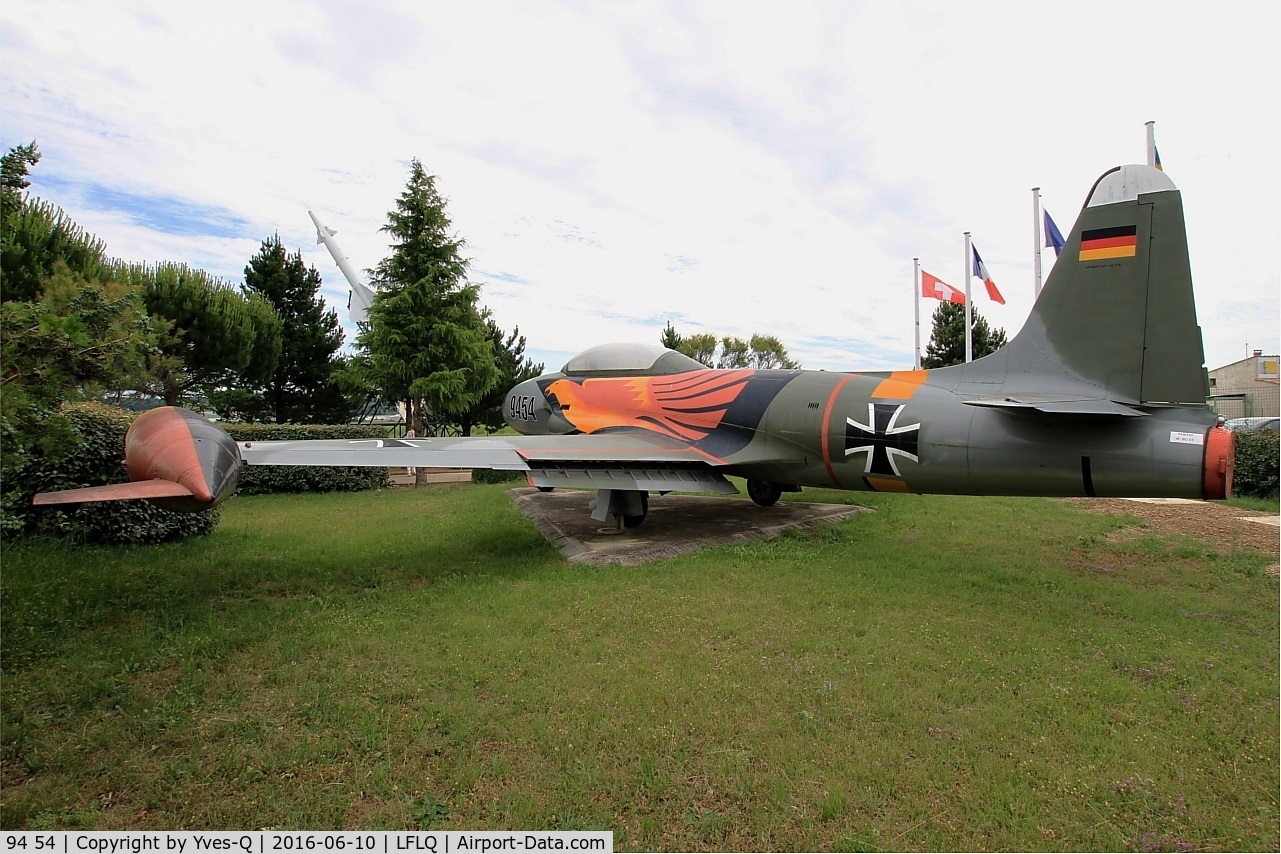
[
  {"x": 426, "y": 340},
  {"x": 301, "y": 389},
  {"x": 68, "y": 327},
  {"x": 35, "y": 235},
  {"x": 671, "y": 339},
  {"x": 947, "y": 337},
  {"x": 513, "y": 368},
  {"x": 211, "y": 335}
]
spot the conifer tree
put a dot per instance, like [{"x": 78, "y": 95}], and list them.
[
  {"x": 301, "y": 388},
  {"x": 426, "y": 340},
  {"x": 947, "y": 337},
  {"x": 211, "y": 335},
  {"x": 513, "y": 368}
]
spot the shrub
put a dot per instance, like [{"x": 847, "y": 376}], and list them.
[
  {"x": 1258, "y": 457},
  {"x": 260, "y": 480},
  {"x": 495, "y": 476},
  {"x": 91, "y": 457}
]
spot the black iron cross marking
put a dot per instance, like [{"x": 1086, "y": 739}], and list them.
[{"x": 882, "y": 439}]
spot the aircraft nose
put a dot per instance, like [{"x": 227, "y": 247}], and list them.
[{"x": 526, "y": 409}]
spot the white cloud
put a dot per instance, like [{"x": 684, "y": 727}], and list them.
[{"x": 612, "y": 166}]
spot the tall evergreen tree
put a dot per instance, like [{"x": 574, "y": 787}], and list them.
[
  {"x": 947, "y": 337},
  {"x": 426, "y": 340},
  {"x": 513, "y": 368},
  {"x": 301, "y": 389}
]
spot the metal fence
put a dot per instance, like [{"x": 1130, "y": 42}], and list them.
[{"x": 1258, "y": 399}]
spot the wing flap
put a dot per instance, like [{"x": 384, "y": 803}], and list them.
[{"x": 647, "y": 478}]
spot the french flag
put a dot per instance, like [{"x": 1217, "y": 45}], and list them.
[{"x": 980, "y": 270}]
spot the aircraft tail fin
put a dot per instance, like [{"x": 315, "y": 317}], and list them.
[{"x": 1116, "y": 319}]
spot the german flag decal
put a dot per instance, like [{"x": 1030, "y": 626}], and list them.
[{"x": 1118, "y": 242}]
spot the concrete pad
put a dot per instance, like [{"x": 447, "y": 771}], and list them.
[
  {"x": 1164, "y": 500},
  {"x": 1274, "y": 521},
  {"x": 676, "y": 524}
]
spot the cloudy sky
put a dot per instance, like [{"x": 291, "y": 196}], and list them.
[{"x": 729, "y": 167}]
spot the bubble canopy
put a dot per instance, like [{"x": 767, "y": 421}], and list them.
[{"x": 625, "y": 359}]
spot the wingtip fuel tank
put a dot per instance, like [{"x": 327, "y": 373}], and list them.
[{"x": 175, "y": 459}]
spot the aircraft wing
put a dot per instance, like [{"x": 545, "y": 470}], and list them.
[{"x": 631, "y": 460}]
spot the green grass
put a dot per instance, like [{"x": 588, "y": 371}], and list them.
[
  {"x": 1248, "y": 503},
  {"x": 948, "y": 673}
]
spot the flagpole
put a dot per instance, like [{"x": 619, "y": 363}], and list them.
[
  {"x": 1036, "y": 241},
  {"x": 969, "y": 266},
  {"x": 916, "y": 304},
  {"x": 1151, "y": 142}
]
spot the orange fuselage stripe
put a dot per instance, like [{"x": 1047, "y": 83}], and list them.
[
  {"x": 827, "y": 419},
  {"x": 900, "y": 385}
]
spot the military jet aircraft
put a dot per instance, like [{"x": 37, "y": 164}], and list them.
[{"x": 1102, "y": 393}]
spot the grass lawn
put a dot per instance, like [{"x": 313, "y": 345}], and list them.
[{"x": 947, "y": 673}]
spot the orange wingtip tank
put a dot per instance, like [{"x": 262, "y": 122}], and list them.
[{"x": 175, "y": 459}]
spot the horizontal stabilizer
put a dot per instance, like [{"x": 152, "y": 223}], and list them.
[
  {"x": 115, "y": 492},
  {"x": 1059, "y": 405}
]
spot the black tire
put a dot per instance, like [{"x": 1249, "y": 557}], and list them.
[
  {"x": 634, "y": 521},
  {"x": 763, "y": 492}
]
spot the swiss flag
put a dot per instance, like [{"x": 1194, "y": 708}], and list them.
[{"x": 935, "y": 288}]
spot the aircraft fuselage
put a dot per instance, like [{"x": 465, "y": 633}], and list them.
[{"x": 884, "y": 432}]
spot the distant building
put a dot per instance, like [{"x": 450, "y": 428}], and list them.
[{"x": 1248, "y": 387}]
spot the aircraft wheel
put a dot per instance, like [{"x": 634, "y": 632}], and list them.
[
  {"x": 764, "y": 492},
  {"x": 634, "y": 521}
]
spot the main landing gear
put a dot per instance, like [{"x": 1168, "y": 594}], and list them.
[
  {"x": 766, "y": 493},
  {"x": 628, "y": 506}
]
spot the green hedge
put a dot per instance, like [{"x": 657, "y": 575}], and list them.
[
  {"x": 496, "y": 476},
  {"x": 93, "y": 458},
  {"x": 1258, "y": 458},
  {"x": 260, "y": 480}
]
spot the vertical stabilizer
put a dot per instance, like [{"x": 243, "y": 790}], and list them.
[{"x": 1116, "y": 318}]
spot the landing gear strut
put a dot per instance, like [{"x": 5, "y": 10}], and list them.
[
  {"x": 634, "y": 521},
  {"x": 629, "y": 506}
]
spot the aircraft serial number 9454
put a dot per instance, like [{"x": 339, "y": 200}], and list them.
[{"x": 521, "y": 407}]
